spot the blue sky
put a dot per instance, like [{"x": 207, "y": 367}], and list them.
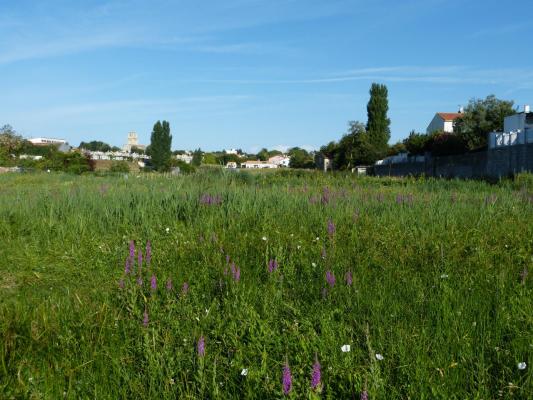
[{"x": 252, "y": 73}]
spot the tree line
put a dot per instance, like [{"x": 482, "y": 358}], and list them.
[{"x": 364, "y": 144}]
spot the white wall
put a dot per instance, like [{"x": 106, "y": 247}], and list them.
[{"x": 436, "y": 124}]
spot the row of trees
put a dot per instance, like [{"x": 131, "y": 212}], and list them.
[
  {"x": 471, "y": 129},
  {"x": 365, "y": 144},
  {"x": 12, "y": 145}
]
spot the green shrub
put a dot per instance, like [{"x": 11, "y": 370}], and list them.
[{"x": 120, "y": 166}]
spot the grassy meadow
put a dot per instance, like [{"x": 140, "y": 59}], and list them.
[{"x": 248, "y": 273}]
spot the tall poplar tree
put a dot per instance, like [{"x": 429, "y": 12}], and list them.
[
  {"x": 378, "y": 125},
  {"x": 160, "y": 144}
]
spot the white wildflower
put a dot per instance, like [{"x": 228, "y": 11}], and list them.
[
  {"x": 522, "y": 366},
  {"x": 244, "y": 372},
  {"x": 379, "y": 357},
  {"x": 264, "y": 238},
  {"x": 313, "y": 264},
  {"x": 298, "y": 247},
  {"x": 167, "y": 230},
  {"x": 444, "y": 276},
  {"x": 345, "y": 348}
]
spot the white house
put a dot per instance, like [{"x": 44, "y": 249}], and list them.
[
  {"x": 443, "y": 121},
  {"x": 280, "y": 160},
  {"x": 231, "y": 151},
  {"x": 258, "y": 164},
  {"x": 186, "y": 158},
  {"x": 231, "y": 165},
  {"x": 517, "y": 129}
]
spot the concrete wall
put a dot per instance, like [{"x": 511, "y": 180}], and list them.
[{"x": 493, "y": 163}]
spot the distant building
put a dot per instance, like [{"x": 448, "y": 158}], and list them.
[
  {"x": 231, "y": 165},
  {"x": 133, "y": 141},
  {"x": 322, "y": 162},
  {"x": 231, "y": 151},
  {"x": 258, "y": 164},
  {"x": 517, "y": 129},
  {"x": 280, "y": 160},
  {"x": 186, "y": 158},
  {"x": 443, "y": 121},
  {"x": 41, "y": 141}
]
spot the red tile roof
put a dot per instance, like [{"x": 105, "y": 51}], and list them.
[{"x": 449, "y": 116}]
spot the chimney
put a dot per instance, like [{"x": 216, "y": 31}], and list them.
[{"x": 527, "y": 109}]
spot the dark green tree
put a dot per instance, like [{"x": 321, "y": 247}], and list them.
[
  {"x": 160, "y": 143},
  {"x": 263, "y": 155},
  {"x": 95, "y": 145},
  {"x": 197, "y": 157},
  {"x": 378, "y": 125},
  {"x": 416, "y": 143},
  {"x": 481, "y": 117},
  {"x": 300, "y": 158}
]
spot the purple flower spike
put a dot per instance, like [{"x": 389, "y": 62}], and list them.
[
  {"x": 169, "y": 284},
  {"x": 145, "y": 318},
  {"x": 132, "y": 249},
  {"x": 185, "y": 288},
  {"x": 330, "y": 278},
  {"x": 331, "y": 228},
  {"x": 153, "y": 283},
  {"x": 127, "y": 268},
  {"x": 121, "y": 284},
  {"x": 315, "y": 376},
  {"x": 227, "y": 259},
  {"x": 148, "y": 253},
  {"x": 237, "y": 274},
  {"x": 364, "y": 395},
  {"x": 349, "y": 278},
  {"x": 201, "y": 346},
  {"x": 287, "y": 379},
  {"x": 272, "y": 265}
]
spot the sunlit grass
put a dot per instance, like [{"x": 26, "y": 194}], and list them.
[{"x": 438, "y": 287}]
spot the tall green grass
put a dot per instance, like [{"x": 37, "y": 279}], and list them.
[{"x": 438, "y": 287}]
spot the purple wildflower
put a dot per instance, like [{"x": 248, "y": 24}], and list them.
[
  {"x": 330, "y": 278},
  {"x": 153, "y": 283},
  {"x": 287, "y": 379},
  {"x": 272, "y": 265},
  {"x": 132, "y": 250},
  {"x": 227, "y": 259},
  {"x": 140, "y": 281},
  {"x": 399, "y": 199},
  {"x": 364, "y": 395},
  {"x": 148, "y": 253},
  {"x": 331, "y": 228},
  {"x": 184, "y": 288},
  {"x": 127, "y": 268},
  {"x": 121, "y": 284},
  {"x": 237, "y": 274},
  {"x": 349, "y": 278},
  {"x": 169, "y": 284},
  {"x": 145, "y": 318},
  {"x": 315, "y": 376},
  {"x": 201, "y": 346}
]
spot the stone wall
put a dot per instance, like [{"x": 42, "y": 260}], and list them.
[{"x": 492, "y": 164}]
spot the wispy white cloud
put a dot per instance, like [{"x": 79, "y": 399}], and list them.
[{"x": 449, "y": 75}]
